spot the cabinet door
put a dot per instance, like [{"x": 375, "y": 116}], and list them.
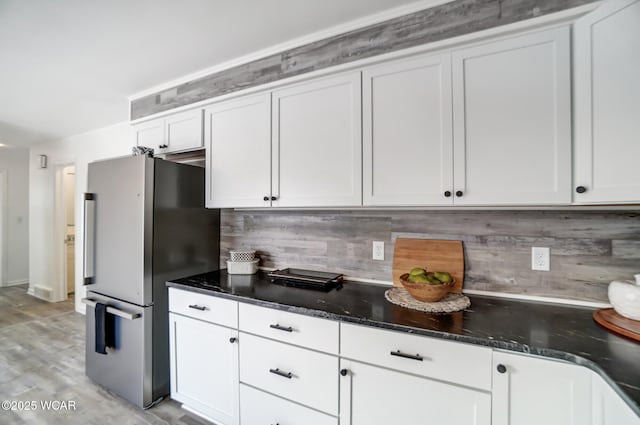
[
  {"x": 317, "y": 157},
  {"x": 608, "y": 407},
  {"x": 150, "y": 134},
  {"x": 407, "y": 135},
  {"x": 512, "y": 121},
  {"x": 371, "y": 395},
  {"x": 238, "y": 159},
  {"x": 261, "y": 408},
  {"x": 204, "y": 368},
  {"x": 607, "y": 103},
  {"x": 183, "y": 131},
  {"x": 533, "y": 391}
]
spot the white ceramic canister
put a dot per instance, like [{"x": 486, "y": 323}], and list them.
[{"x": 625, "y": 297}]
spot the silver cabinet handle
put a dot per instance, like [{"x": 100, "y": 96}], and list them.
[
  {"x": 112, "y": 310},
  {"x": 278, "y": 372},
  {"x": 197, "y": 307},
  {"x": 89, "y": 238},
  {"x": 281, "y": 328}
]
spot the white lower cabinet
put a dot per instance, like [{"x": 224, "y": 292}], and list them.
[
  {"x": 371, "y": 395},
  {"x": 607, "y": 406},
  {"x": 204, "y": 368},
  {"x": 304, "y": 376},
  {"x": 260, "y": 408},
  {"x": 379, "y": 376},
  {"x": 532, "y": 391}
]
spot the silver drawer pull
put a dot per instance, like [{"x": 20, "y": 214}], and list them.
[
  {"x": 112, "y": 310},
  {"x": 399, "y": 353},
  {"x": 278, "y": 372},
  {"x": 281, "y": 328},
  {"x": 198, "y": 307}
]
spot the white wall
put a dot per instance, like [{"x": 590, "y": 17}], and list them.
[
  {"x": 44, "y": 272},
  {"x": 16, "y": 164}
]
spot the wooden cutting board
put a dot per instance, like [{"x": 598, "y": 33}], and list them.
[
  {"x": 434, "y": 255},
  {"x": 613, "y": 322}
]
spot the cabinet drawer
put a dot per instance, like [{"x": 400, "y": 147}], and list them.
[
  {"x": 204, "y": 307},
  {"x": 301, "y": 375},
  {"x": 309, "y": 332},
  {"x": 259, "y": 408},
  {"x": 464, "y": 364}
]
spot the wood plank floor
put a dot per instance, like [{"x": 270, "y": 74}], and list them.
[{"x": 42, "y": 359}]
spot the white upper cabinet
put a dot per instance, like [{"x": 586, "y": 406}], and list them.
[
  {"x": 183, "y": 131},
  {"x": 407, "y": 135},
  {"x": 238, "y": 159},
  {"x": 317, "y": 143},
  {"x": 512, "y": 121},
  {"x": 607, "y": 104},
  {"x": 178, "y": 132},
  {"x": 150, "y": 133},
  {"x": 533, "y": 391}
]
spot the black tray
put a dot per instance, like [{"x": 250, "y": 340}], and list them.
[{"x": 310, "y": 279}]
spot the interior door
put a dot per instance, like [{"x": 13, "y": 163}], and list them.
[{"x": 122, "y": 189}]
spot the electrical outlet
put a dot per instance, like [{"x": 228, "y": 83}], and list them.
[
  {"x": 540, "y": 259},
  {"x": 378, "y": 250}
]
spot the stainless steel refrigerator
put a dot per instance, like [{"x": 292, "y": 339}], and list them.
[{"x": 145, "y": 223}]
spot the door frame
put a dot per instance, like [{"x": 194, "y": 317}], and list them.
[
  {"x": 60, "y": 271},
  {"x": 3, "y": 226}
]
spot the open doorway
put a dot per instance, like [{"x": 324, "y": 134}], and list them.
[
  {"x": 65, "y": 232},
  {"x": 69, "y": 193}
]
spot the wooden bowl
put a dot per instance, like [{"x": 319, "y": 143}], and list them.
[{"x": 424, "y": 291}]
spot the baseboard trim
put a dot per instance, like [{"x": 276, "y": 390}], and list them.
[{"x": 16, "y": 282}]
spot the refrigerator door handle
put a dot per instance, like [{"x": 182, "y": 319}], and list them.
[
  {"x": 89, "y": 238},
  {"x": 112, "y": 310}
]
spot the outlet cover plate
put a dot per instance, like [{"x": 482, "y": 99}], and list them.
[
  {"x": 540, "y": 259},
  {"x": 378, "y": 250}
]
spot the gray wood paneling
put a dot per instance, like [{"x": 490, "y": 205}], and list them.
[
  {"x": 589, "y": 249},
  {"x": 441, "y": 22}
]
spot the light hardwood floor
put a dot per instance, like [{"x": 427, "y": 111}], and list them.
[{"x": 42, "y": 359}]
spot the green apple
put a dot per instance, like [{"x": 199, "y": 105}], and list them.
[
  {"x": 443, "y": 277},
  {"x": 417, "y": 271}
]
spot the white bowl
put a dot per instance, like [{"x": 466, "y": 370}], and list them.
[{"x": 625, "y": 298}]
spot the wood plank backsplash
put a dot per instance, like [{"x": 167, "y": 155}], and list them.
[{"x": 589, "y": 249}]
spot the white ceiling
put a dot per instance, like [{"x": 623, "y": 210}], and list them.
[{"x": 67, "y": 66}]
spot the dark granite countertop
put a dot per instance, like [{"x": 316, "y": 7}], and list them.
[{"x": 551, "y": 330}]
